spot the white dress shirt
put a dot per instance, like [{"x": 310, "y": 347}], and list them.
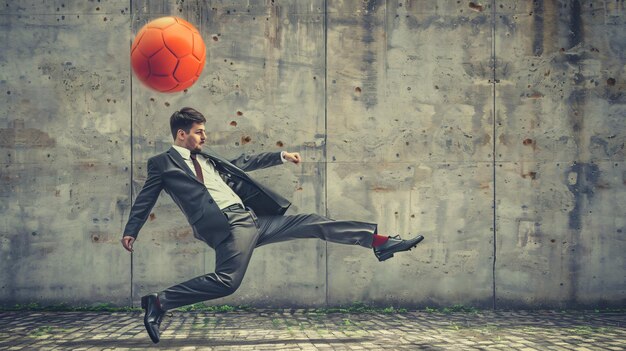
[{"x": 223, "y": 195}]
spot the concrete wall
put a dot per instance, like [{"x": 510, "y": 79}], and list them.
[{"x": 496, "y": 129}]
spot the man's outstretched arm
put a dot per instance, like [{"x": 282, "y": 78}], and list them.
[
  {"x": 264, "y": 160},
  {"x": 143, "y": 205}
]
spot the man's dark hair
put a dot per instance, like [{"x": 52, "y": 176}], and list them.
[{"x": 184, "y": 119}]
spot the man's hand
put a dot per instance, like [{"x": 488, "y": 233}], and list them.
[
  {"x": 292, "y": 157},
  {"x": 127, "y": 242}
]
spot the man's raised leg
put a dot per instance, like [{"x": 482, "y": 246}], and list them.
[{"x": 282, "y": 228}]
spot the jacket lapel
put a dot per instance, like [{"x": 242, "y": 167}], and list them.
[
  {"x": 180, "y": 162},
  {"x": 224, "y": 165}
]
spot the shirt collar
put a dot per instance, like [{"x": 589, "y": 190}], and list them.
[{"x": 185, "y": 153}]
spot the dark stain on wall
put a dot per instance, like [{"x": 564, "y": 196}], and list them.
[
  {"x": 476, "y": 22},
  {"x": 576, "y": 24},
  {"x": 608, "y": 145},
  {"x": 19, "y": 244},
  {"x": 576, "y": 102},
  {"x": 19, "y": 136},
  {"x": 538, "y": 27},
  {"x": 370, "y": 94},
  {"x": 587, "y": 177}
]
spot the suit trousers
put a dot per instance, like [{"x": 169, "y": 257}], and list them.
[{"x": 248, "y": 232}]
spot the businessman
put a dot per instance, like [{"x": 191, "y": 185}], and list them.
[{"x": 232, "y": 213}]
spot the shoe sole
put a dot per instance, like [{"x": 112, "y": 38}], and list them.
[
  {"x": 153, "y": 337},
  {"x": 387, "y": 256},
  {"x": 384, "y": 257}
]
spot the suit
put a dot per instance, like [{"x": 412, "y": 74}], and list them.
[
  {"x": 233, "y": 233},
  {"x": 167, "y": 171}
]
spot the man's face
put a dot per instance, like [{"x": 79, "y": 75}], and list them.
[{"x": 196, "y": 137}]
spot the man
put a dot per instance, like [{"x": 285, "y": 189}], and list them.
[{"x": 221, "y": 203}]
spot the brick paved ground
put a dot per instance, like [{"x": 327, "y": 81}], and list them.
[{"x": 305, "y": 330}]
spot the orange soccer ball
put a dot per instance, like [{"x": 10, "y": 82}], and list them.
[{"x": 168, "y": 54}]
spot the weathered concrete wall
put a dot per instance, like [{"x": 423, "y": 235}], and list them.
[
  {"x": 65, "y": 142},
  {"x": 419, "y": 115},
  {"x": 409, "y": 147},
  {"x": 560, "y": 136}
]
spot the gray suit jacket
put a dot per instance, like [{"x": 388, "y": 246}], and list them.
[{"x": 168, "y": 171}]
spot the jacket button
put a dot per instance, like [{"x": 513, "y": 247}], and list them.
[{"x": 210, "y": 201}]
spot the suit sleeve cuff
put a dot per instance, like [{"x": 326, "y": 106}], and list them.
[{"x": 282, "y": 156}]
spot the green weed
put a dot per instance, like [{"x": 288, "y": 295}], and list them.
[
  {"x": 453, "y": 309},
  {"x": 588, "y": 330},
  {"x": 358, "y": 307},
  {"x": 201, "y": 307},
  {"x": 64, "y": 307},
  {"x": 45, "y": 331}
]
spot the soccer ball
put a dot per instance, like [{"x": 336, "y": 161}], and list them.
[{"x": 168, "y": 54}]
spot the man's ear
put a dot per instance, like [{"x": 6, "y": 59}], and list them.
[{"x": 180, "y": 134}]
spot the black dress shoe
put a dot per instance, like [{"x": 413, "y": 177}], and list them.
[
  {"x": 154, "y": 315},
  {"x": 395, "y": 244}
]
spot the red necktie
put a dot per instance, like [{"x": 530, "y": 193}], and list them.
[{"x": 196, "y": 165}]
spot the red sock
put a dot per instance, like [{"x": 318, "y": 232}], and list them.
[{"x": 379, "y": 240}]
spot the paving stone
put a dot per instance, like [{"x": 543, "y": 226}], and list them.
[{"x": 301, "y": 330}]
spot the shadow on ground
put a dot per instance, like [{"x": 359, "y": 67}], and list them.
[
  {"x": 180, "y": 343},
  {"x": 175, "y": 343}
]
